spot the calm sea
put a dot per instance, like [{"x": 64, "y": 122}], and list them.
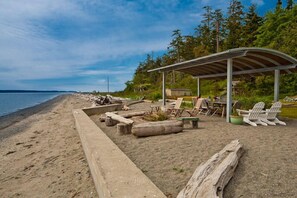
[{"x": 11, "y": 102}]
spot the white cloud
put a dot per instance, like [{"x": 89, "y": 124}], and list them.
[{"x": 35, "y": 43}]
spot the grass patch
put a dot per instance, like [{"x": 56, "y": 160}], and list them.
[
  {"x": 179, "y": 170},
  {"x": 289, "y": 111}
]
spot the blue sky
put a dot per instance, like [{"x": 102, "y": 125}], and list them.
[{"x": 76, "y": 44}]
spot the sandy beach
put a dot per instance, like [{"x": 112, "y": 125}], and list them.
[
  {"x": 266, "y": 169},
  {"x": 41, "y": 153}
]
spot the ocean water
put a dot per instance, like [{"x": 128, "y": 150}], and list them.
[{"x": 11, "y": 102}]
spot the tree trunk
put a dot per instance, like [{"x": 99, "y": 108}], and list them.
[
  {"x": 210, "y": 178},
  {"x": 109, "y": 121},
  {"x": 123, "y": 129},
  {"x": 131, "y": 114},
  {"x": 118, "y": 118}
]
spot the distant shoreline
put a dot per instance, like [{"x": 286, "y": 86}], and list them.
[
  {"x": 34, "y": 91},
  {"x": 17, "y": 116}
]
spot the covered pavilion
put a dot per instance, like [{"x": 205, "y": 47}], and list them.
[{"x": 236, "y": 62}]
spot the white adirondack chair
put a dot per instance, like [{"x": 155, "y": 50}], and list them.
[
  {"x": 270, "y": 115},
  {"x": 252, "y": 116}
]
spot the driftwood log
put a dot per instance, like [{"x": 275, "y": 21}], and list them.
[
  {"x": 157, "y": 128},
  {"x": 125, "y": 125},
  {"x": 118, "y": 118},
  {"x": 131, "y": 114},
  {"x": 210, "y": 178},
  {"x": 126, "y": 115},
  {"x": 109, "y": 121},
  {"x": 123, "y": 129}
]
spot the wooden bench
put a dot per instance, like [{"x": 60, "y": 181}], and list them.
[
  {"x": 194, "y": 121},
  {"x": 125, "y": 125}
]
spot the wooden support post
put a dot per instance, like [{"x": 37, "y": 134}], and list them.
[{"x": 195, "y": 124}]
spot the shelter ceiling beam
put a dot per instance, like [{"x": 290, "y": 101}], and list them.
[
  {"x": 265, "y": 58},
  {"x": 254, "y": 61},
  {"x": 202, "y": 61},
  {"x": 267, "y": 69}
]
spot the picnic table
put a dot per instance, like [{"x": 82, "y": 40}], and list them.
[{"x": 194, "y": 121}]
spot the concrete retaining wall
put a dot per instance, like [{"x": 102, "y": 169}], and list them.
[{"x": 114, "y": 174}]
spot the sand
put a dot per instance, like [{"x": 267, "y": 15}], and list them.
[
  {"x": 268, "y": 167},
  {"x": 41, "y": 153}
]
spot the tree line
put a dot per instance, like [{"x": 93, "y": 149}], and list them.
[{"x": 219, "y": 31}]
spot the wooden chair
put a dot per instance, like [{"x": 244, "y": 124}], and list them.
[
  {"x": 252, "y": 116},
  {"x": 176, "y": 111},
  {"x": 270, "y": 115},
  {"x": 198, "y": 109}
]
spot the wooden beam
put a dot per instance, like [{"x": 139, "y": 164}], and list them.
[{"x": 284, "y": 67}]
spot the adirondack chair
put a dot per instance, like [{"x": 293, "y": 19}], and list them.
[
  {"x": 176, "y": 111},
  {"x": 199, "y": 108},
  {"x": 252, "y": 116},
  {"x": 270, "y": 115}
]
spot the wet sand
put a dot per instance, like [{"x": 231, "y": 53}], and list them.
[{"x": 41, "y": 153}]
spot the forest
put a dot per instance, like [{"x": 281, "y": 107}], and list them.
[{"x": 218, "y": 31}]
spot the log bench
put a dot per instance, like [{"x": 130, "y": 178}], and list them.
[
  {"x": 192, "y": 119},
  {"x": 157, "y": 128},
  {"x": 124, "y": 126}
]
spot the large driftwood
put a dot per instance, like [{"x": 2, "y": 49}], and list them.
[
  {"x": 210, "y": 178},
  {"x": 131, "y": 114},
  {"x": 157, "y": 128},
  {"x": 135, "y": 102},
  {"x": 123, "y": 129},
  {"x": 110, "y": 122},
  {"x": 118, "y": 118}
]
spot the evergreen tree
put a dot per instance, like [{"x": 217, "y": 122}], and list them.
[
  {"x": 189, "y": 44},
  {"x": 252, "y": 22},
  {"x": 218, "y": 28},
  {"x": 290, "y": 4},
  {"x": 205, "y": 27},
  {"x": 279, "y": 4},
  {"x": 271, "y": 28},
  {"x": 234, "y": 24},
  {"x": 176, "y": 45}
]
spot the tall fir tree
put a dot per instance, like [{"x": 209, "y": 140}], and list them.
[
  {"x": 234, "y": 24},
  {"x": 290, "y": 4},
  {"x": 218, "y": 29},
  {"x": 279, "y": 4},
  {"x": 252, "y": 21},
  {"x": 205, "y": 27},
  {"x": 176, "y": 45}
]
